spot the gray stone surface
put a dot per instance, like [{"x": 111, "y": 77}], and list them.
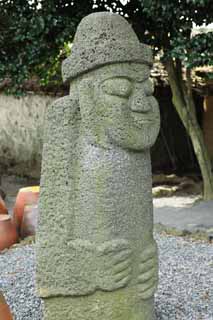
[
  {"x": 96, "y": 256},
  {"x": 103, "y": 40}
]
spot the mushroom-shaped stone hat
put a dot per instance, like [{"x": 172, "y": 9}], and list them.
[{"x": 103, "y": 38}]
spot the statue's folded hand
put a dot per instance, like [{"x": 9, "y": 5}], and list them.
[
  {"x": 114, "y": 265},
  {"x": 148, "y": 272}
]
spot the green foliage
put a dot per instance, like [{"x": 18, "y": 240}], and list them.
[
  {"x": 173, "y": 22},
  {"x": 33, "y": 37},
  {"x": 167, "y": 26},
  {"x": 34, "y": 34},
  {"x": 200, "y": 50}
]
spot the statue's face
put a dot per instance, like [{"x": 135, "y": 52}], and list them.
[{"x": 124, "y": 111}]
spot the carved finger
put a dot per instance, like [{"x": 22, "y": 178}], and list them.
[
  {"x": 146, "y": 266},
  {"x": 121, "y": 266},
  {"x": 108, "y": 286},
  {"x": 115, "y": 285},
  {"x": 149, "y": 253},
  {"x": 117, "y": 261},
  {"x": 121, "y": 256},
  {"x": 149, "y": 292},
  {"x": 123, "y": 282},
  {"x": 147, "y": 285},
  {"x": 111, "y": 247},
  {"x": 147, "y": 275},
  {"x": 123, "y": 275}
]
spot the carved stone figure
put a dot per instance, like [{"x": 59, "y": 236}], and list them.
[{"x": 96, "y": 256}]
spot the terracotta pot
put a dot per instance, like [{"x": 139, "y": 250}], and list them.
[
  {"x": 29, "y": 222},
  {"x": 8, "y": 232},
  {"x": 3, "y": 209},
  {"x": 5, "y": 313},
  {"x": 26, "y": 196}
]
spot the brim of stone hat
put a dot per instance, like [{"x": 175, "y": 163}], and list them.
[{"x": 83, "y": 60}]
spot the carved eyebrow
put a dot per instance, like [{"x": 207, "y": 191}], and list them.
[
  {"x": 142, "y": 78},
  {"x": 139, "y": 80},
  {"x": 127, "y": 77},
  {"x": 118, "y": 77}
]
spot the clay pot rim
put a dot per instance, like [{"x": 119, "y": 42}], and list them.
[
  {"x": 34, "y": 189},
  {"x": 4, "y": 217},
  {"x": 5, "y": 307},
  {"x": 29, "y": 206}
]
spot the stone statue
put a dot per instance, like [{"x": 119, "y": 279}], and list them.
[{"x": 96, "y": 256}]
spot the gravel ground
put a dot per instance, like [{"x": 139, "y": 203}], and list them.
[{"x": 185, "y": 290}]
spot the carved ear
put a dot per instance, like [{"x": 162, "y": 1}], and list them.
[
  {"x": 85, "y": 89},
  {"x": 86, "y": 96}
]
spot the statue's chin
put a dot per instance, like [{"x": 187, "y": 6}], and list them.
[
  {"x": 133, "y": 147},
  {"x": 137, "y": 142}
]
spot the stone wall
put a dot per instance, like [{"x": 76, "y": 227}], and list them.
[{"x": 21, "y": 131}]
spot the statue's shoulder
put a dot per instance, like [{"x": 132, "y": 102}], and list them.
[
  {"x": 60, "y": 136},
  {"x": 63, "y": 101},
  {"x": 62, "y": 118},
  {"x": 64, "y": 105}
]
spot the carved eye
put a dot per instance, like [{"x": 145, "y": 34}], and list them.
[{"x": 121, "y": 87}]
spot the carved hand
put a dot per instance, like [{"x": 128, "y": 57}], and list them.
[
  {"x": 148, "y": 272},
  {"x": 114, "y": 265}
]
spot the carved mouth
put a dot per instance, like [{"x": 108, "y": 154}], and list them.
[{"x": 141, "y": 119}]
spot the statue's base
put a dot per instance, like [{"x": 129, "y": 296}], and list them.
[{"x": 117, "y": 305}]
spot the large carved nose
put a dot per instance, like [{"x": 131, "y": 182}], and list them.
[{"x": 140, "y": 103}]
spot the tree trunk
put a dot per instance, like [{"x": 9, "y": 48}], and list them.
[
  {"x": 184, "y": 104},
  {"x": 208, "y": 124}
]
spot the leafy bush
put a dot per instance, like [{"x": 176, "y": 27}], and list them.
[{"x": 33, "y": 38}]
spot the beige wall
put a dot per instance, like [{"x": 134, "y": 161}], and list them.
[{"x": 21, "y": 132}]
